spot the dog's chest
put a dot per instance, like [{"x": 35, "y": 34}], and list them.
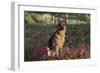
[{"x": 60, "y": 38}]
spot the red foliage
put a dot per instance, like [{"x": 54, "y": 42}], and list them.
[
  {"x": 40, "y": 52},
  {"x": 67, "y": 53}
]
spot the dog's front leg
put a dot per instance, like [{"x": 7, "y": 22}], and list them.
[
  {"x": 48, "y": 52},
  {"x": 57, "y": 52},
  {"x": 61, "y": 52}
]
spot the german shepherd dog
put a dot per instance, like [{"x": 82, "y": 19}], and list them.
[{"x": 56, "y": 42}]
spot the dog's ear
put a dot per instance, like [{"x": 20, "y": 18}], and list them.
[
  {"x": 58, "y": 20},
  {"x": 65, "y": 20}
]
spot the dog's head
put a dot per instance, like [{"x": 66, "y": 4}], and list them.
[{"x": 61, "y": 24}]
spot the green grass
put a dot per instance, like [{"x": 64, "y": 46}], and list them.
[
  {"x": 39, "y": 27},
  {"x": 51, "y": 26}
]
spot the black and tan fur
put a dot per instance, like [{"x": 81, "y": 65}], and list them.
[{"x": 56, "y": 42}]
